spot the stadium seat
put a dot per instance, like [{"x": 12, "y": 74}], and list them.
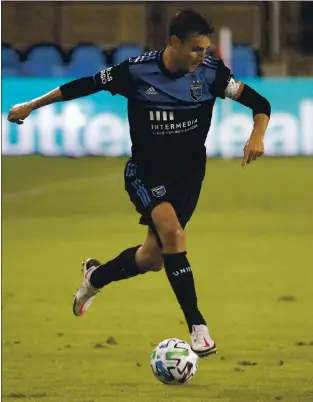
[
  {"x": 244, "y": 63},
  {"x": 34, "y": 69},
  {"x": 9, "y": 71},
  {"x": 45, "y": 54},
  {"x": 10, "y": 64},
  {"x": 81, "y": 68},
  {"x": 43, "y": 61},
  {"x": 88, "y": 52},
  {"x": 86, "y": 60},
  {"x": 125, "y": 51}
]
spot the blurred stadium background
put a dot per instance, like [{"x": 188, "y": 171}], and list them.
[
  {"x": 250, "y": 240},
  {"x": 44, "y": 44},
  {"x": 269, "y": 38}
]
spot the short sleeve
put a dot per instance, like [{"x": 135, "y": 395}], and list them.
[{"x": 116, "y": 79}]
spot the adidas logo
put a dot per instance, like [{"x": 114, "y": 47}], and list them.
[{"x": 151, "y": 91}]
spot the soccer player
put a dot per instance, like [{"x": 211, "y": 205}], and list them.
[{"x": 171, "y": 94}]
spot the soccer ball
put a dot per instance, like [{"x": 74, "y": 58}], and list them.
[{"x": 173, "y": 362}]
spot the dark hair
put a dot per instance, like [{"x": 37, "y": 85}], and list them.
[{"x": 187, "y": 22}]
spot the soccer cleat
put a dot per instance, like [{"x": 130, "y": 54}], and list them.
[
  {"x": 201, "y": 342},
  {"x": 86, "y": 293}
]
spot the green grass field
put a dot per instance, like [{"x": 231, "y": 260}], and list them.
[{"x": 250, "y": 245}]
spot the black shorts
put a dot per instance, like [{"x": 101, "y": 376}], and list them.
[{"x": 147, "y": 192}]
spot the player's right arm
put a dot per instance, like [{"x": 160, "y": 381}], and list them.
[{"x": 113, "y": 79}]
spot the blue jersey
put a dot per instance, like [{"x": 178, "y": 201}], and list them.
[{"x": 169, "y": 114}]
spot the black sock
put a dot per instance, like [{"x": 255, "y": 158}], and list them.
[
  {"x": 180, "y": 276},
  {"x": 122, "y": 267}
]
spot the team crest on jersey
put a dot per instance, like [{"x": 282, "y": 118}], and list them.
[
  {"x": 196, "y": 90},
  {"x": 158, "y": 191}
]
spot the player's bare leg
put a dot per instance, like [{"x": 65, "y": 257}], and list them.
[
  {"x": 149, "y": 257},
  {"x": 180, "y": 276}
]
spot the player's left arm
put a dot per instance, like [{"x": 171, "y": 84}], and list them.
[
  {"x": 225, "y": 85},
  {"x": 261, "y": 109}
]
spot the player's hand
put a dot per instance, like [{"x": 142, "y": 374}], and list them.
[
  {"x": 253, "y": 149},
  {"x": 19, "y": 112}
]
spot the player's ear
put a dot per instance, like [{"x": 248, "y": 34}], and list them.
[{"x": 175, "y": 41}]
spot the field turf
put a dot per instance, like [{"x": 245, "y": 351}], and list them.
[{"x": 250, "y": 244}]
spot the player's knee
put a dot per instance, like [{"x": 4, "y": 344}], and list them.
[{"x": 173, "y": 239}]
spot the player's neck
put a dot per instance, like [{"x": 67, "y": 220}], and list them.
[{"x": 169, "y": 61}]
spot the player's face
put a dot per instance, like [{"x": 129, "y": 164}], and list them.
[{"x": 190, "y": 53}]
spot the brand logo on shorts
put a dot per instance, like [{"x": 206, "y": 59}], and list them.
[{"x": 159, "y": 191}]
